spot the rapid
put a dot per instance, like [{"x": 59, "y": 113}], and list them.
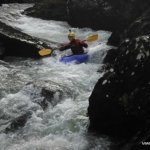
[{"x": 62, "y": 126}]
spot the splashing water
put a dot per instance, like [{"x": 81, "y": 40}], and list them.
[{"x": 59, "y": 127}]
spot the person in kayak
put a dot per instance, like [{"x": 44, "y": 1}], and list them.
[{"x": 76, "y": 45}]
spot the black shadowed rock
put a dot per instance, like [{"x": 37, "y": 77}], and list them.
[
  {"x": 16, "y": 43},
  {"x": 47, "y": 92},
  {"x": 100, "y": 14},
  {"x": 16, "y": 1},
  {"x": 18, "y": 122},
  {"x": 120, "y": 102},
  {"x": 49, "y": 9},
  {"x": 138, "y": 27}
]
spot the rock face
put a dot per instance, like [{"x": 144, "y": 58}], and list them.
[
  {"x": 119, "y": 104},
  {"x": 16, "y": 43},
  {"x": 139, "y": 26},
  {"x": 42, "y": 93},
  {"x": 49, "y": 9},
  {"x": 100, "y": 14},
  {"x": 51, "y": 92},
  {"x": 105, "y": 14},
  {"x": 16, "y": 1}
]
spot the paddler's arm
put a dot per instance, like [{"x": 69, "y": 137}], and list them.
[
  {"x": 64, "y": 47},
  {"x": 84, "y": 44}
]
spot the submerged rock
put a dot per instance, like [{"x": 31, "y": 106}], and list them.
[
  {"x": 47, "y": 92},
  {"x": 18, "y": 122},
  {"x": 39, "y": 94}
]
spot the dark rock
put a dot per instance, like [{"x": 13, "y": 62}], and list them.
[
  {"x": 17, "y": 43},
  {"x": 18, "y": 122},
  {"x": 47, "y": 92},
  {"x": 2, "y": 51},
  {"x": 100, "y": 14},
  {"x": 111, "y": 56},
  {"x": 16, "y": 1},
  {"x": 139, "y": 27},
  {"x": 115, "y": 38},
  {"x": 106, "y": 110},
  {"x": 49, "y": 9},
  {"x": 119, "y": 104},
  {"x": 140, "y": 141},
  {"x": 96, "y": 14}
]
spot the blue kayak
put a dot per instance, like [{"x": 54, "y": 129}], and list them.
[{"x": 75, "y": 58}]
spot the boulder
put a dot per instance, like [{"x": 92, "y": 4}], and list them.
[
  {"x": 138, "y": 27},
  {"x": 16, "y": 1},
  {"x": 47, "y": 93},
  {"x": 49, "y": 9},
  {"x": 2, "y": 51},
  {"x": 110, "y": 15},
  {"x": 18, "y": 122},
  {"x": 119, "y": 104},
  {"x": 15, "y": 43}
]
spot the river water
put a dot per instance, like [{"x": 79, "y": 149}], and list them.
[{"x": 64, "y": 125}]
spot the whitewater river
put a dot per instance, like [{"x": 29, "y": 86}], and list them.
[{"x": 62, "y": 126}]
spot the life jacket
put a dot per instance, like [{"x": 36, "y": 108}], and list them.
[{"x": 76, "y": 46}]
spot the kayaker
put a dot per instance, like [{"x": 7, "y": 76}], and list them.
[{"x": 76, "y": 45}]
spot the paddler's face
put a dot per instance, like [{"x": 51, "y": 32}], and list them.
[{"x": 71, "y": 38}]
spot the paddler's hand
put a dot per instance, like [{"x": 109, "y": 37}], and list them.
[{"x": 60, "y": 48}]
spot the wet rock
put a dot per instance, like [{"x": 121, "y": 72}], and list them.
[
  {"x": 2, "y": 51},
  {"x": 17, "y": 43},
  {"x": 100, "y": 14},
  {"x": 139, "y": 142},
  {"x": 47, "y": 92},
  {"x": 119, "y": 104},
  {"x": 138, "y": 27},
  {"x": 111, "y": 56},
  {"x": 16, "y": 1},
  {"x": 96, "y": 14},
  {"x": 17, "y": 123},
  {"x": 49, "y": 9}
]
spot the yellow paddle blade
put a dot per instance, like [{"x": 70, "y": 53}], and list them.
[
  {"x": 92, "y": 38},
  {"x": 44, "y": 52}
]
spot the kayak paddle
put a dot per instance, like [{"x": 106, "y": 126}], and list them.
[
  {"x": 92, "y": 38},
  {"x": 44, "y": 52}
]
